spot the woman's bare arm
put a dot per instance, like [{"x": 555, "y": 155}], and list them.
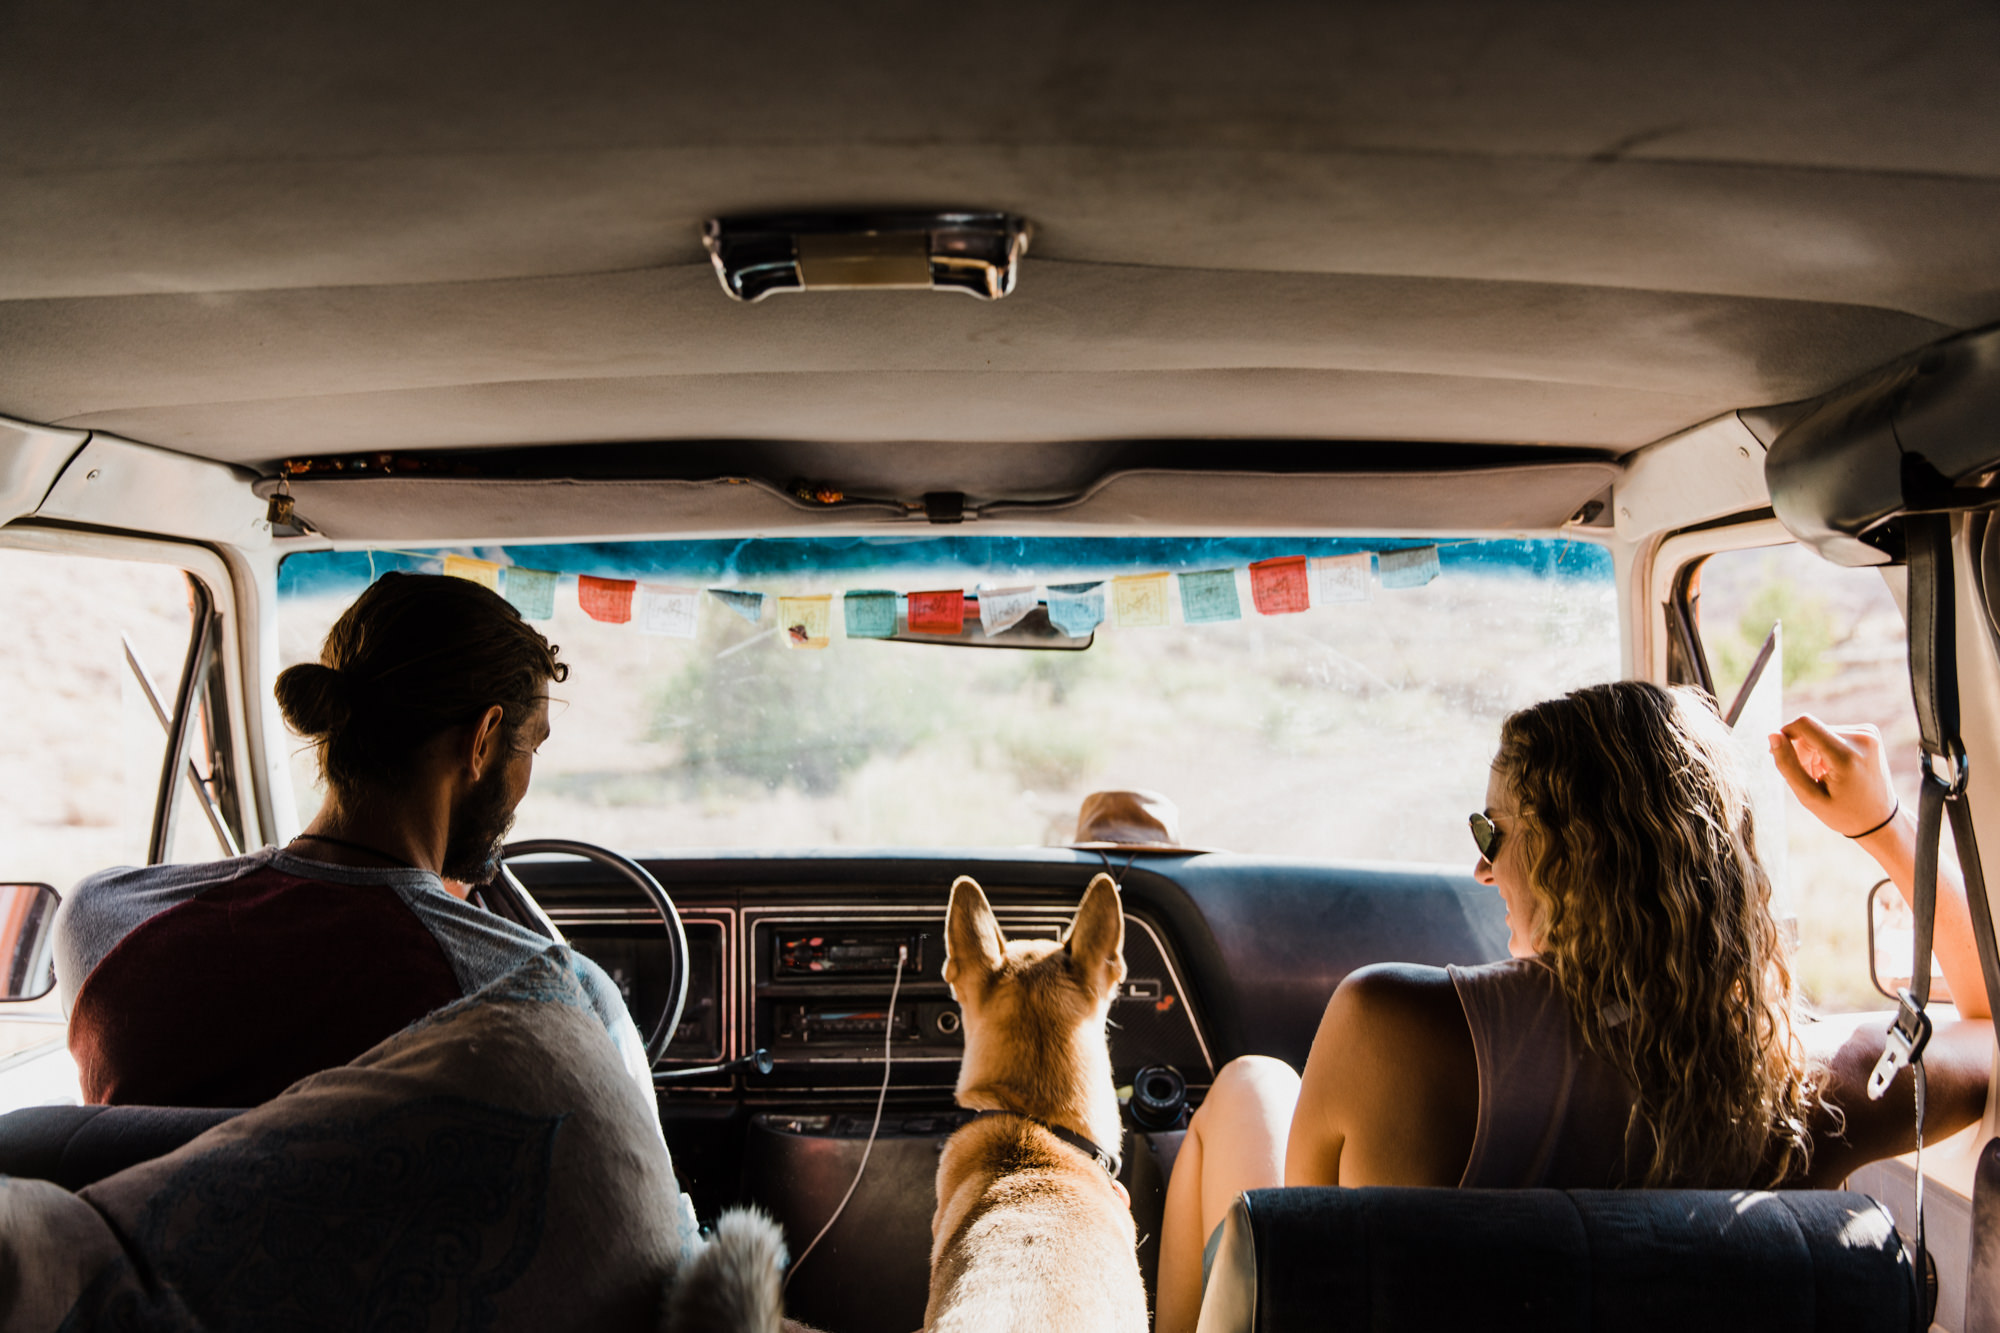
[
  {"x": 1956, "y": 1063},
  {"x": 1390, "y": 1093},
  {"x": 1841, "y": 774}
]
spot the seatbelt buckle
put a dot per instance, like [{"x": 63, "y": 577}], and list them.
[
  {"x": 1903, "y": 1044},
  {"x": 1949, "y": 767}
]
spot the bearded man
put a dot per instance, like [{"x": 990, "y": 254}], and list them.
[{"x": 221, "y": 984}]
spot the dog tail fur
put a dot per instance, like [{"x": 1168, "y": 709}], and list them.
[{"x": 731, "y": 1285}]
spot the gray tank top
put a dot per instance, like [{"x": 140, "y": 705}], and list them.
[{"x": 1552, "y": 1114}]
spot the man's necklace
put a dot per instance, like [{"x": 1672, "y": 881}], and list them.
[{"x": 354, "y": 847}]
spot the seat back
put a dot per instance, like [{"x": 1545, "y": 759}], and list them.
[
  {"x": 74, "y": 1146},
  {"x": 1557, "y": 1260}
]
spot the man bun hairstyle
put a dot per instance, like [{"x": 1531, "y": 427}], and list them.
[{"x": 414, "y": 656}]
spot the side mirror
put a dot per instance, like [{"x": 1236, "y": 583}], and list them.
[
  {"x": 1892, "y": 937},
  {"x": 27, "y": 941}
]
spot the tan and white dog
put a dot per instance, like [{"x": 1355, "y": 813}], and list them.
[{"x": 1033, "y": 1230}]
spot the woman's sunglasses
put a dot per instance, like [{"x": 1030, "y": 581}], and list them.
[{"x": 1485, "y": 835}]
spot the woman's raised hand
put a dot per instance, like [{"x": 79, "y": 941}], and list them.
[{"x": 1841, "y": 774}]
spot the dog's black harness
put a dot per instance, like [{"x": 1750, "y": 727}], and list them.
[{"x": 1109, "y": 1161}]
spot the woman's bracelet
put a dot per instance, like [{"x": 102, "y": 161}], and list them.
[{"x": 1885, "y": 821}]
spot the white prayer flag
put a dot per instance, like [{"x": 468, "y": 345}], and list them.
[
  {"x": 1343, "y": 578},
  {"x": 668, "y": 611},
  {"x": 1003, "y": 608}
]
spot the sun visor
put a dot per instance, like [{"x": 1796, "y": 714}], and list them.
[
  {"x": 1529, "y": 497},
  {"x": 456, "y": 510},
  {"x": 453, "y": 510},
  {"x": 1916, "y": 436}
]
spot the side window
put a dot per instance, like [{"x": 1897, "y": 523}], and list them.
[
  {"x": 81, "y": 748},
  {"x": 1844, "y": 659}
]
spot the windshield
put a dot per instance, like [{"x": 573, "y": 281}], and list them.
[{"x": 715, "y": 700}]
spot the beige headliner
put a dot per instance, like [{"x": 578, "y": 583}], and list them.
[{"x": 257, "y": 233}]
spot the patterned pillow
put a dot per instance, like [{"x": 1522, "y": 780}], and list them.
[{"x": 490, "y": 1166}]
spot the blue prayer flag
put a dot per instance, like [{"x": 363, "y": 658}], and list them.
[
  {"x": 1210, "y": 596},
  {"x": 870, "y": 614}
]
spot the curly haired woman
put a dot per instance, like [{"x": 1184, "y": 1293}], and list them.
[{"x": 1645, "y": 1031}]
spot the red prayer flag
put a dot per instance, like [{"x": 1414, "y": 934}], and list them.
[
  {"x": 1280, "y": 587},
  {"x": 608, "y": 600},
  {"x": 937, "y": 612}
]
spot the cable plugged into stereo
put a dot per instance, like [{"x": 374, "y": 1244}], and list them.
[{"x": 881, "y": 1098}]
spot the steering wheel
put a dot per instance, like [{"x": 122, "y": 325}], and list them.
[{"x": 641, "y": 879}]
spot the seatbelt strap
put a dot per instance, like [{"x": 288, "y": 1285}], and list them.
[{"x": 1934, "y": 690}]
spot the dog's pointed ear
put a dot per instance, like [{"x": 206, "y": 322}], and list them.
[
  {"x": 1097, "y": 936},
  {"x": 973, "y": 945}
]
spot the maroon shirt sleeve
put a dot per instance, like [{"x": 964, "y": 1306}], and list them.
[{"x": 233, "y": 996}]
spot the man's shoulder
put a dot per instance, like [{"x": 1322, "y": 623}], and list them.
[
  {"x": 100, "y": 910},
  {"x": 124, "y": 884}
]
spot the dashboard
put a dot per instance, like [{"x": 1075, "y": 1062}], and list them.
[
  {"x": 1244, "y": 950},
  {"x": 796, "y": 954},
  {"x": 810, "y": 981}
]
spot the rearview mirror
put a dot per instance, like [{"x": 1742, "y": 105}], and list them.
[
  {"x": 1033, "y": 630},
  {"x": 1892, "y": 938},
  {"x": 27, "y": 941}
]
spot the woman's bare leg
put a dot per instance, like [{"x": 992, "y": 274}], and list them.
[{"x": 1236, "y": 1142}]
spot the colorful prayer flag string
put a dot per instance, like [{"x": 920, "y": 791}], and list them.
[
  {"x": 806, "y": 621},
  {"x": 1411, "y": 567},
  {"x": 749, "y": 605},
  {"x": 668, "y": 611},
  {"x": 1139, "y": 600},
  {"x": 483, "y": 572},
  {"x": 1076, "y": 609},
  {"x": 1344, "y": 578},
  {"x": 870, "y": 614},
  {"x": 1280, "y": 587},
  {"x": 1000, "y": 609},
  {"x": 532, "y": 591},
  {"x": 937, "y": 612},
  {"x": 1208, "y": 597},
  {"x": 608, "y": 600}
]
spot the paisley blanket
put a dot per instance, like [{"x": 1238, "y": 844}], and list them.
[{"x": 489, "y": 1167}]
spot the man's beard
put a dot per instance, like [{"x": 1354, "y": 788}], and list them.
[{"x": 479, "y": 824}]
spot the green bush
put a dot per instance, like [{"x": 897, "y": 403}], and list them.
[{"x": 770, "y": 716}]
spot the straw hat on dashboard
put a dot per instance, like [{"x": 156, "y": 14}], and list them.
[{"x": 1129, "y": 821}]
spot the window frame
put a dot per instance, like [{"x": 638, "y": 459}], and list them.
[{"x": 216, "y": 646}]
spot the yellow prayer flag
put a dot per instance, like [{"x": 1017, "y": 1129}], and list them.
[
  {"x": 805, "y": 620},
  {"x": 483, "y": 572},
  {"x": 1139, "y": 600}
]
